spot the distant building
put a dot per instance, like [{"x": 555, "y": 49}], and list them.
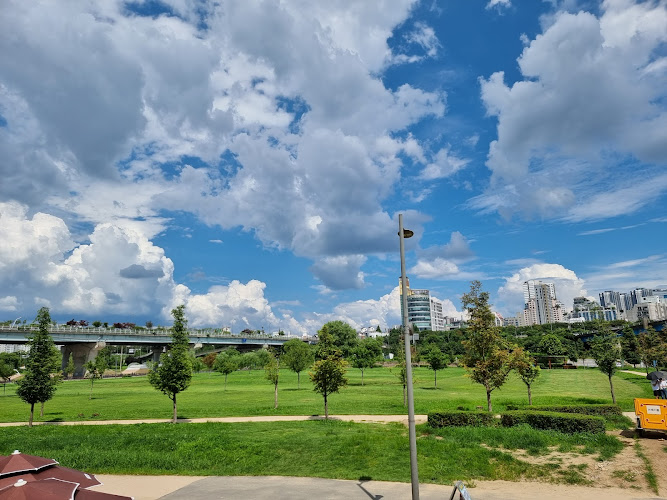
[
  {"x": 650, "y": 308},
  {"x": 541, "y": 306},
  {"x": 511, "y": 321},
  {"x": 424, "y": 311}
]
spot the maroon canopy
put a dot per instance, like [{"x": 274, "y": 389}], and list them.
[
  {"x": 44, "y": 489},
  {"x": 20, "y": 462},
  {"x": 27, "y": 477}
]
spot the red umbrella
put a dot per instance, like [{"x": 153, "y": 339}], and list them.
[
  {"x": 44, "y": 489},
  {"x": 20, "y": 462},
  {"x": 54, "y": 471}
]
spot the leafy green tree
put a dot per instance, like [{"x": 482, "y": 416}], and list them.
[
  {"x": 97, "y": 324},
  {"x": 526, "y": 368},
  {"x": 37, "y": 384},
  {"x": 227, "y": 362},
  {"x": 6, "y": 371},
  {"x": 551, "y": 345},
  {"x": 262, "y": 357},
  {"x": 606, "y": 352},
  {"x": 652, "y": 348},
  {"x": 344, "y": 336},
  {"x": 198, "y": 365},
  {"x": 487, "y": 358},
  {"x": 630, "y": 346},
  {"x": 298, "y": 357},
  {"x": 436, "y": 359},
  {"x": 328, "y": 373},
  {"x": 174, "y": 373},
  {"x": 272, "y": 370},
  {"x": 97, "y": 367},
  {"x": 367, "y": 352},
  {"x": 71, "y": 367}
]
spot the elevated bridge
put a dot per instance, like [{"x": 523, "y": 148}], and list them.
[{"x": 84, "y": 342}]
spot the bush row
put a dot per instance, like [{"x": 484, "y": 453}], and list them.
[
  {"x": 460, "y": 419},
  {"x": 562, "y": 422},
  {"x": 567, "y": 422},
  {"x": 599, "y": 409}
]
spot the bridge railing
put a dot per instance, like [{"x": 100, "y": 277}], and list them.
[{"x": 209, "y": 332}]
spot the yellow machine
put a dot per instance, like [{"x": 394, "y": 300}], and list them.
[{"x": 651, "y": 414}]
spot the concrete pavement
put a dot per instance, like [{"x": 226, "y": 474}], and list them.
[{"x": 302, "y": 488}]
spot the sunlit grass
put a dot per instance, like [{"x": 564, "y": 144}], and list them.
[
  {"x": 314, "y": 448},
  {"x": 248, "y": 394}
]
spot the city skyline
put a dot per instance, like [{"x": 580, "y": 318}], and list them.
[{"x": 155, "y": 153}]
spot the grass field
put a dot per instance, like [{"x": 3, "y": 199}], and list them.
[
  {"x": 331, "y": 449},
  {"x": 248, "y": 394}
]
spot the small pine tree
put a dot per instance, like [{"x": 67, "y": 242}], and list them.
[
  {"x": 37, "y": 384},
  {"x": 71, "y": 367},
  {"x": 174, "y": 373}
]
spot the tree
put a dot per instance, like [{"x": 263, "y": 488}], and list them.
[
  {"x": 37, "y": 384},
  {"x": 298, "y": 356},
  {"x": 6, "y": 371},
  {"x": 71, "y": 367},
  {"x": 261, "y": 357},
  {"x": 526, "y": 368},
  {"x": 272, "y": 369},
  {"x": 97, "y": 324},
  {"x": 652, "y": 348},
  {"x": 209, "y": 360},
  {"x": 328, "y": 373},
  {"x": 344, "y": 336},
  {"x": 436, "y": 360},
  {"x": 227, "y": 362},
  {"x": 197, "y": 364},
  {"x": 630, "y": 346},
  {"x": 174, "y": 373},
  {"x": 606, "y": 352},
  {"x": 402, "y": 373},
  {"x": 97, "y": 368},
  {"x": 487, "y": 358},
  {"x": 367, "y": 352}
]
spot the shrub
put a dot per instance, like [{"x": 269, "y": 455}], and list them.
[
  {"x": 460, "y": 419},
  {"x": 601, "y": 410},
  {"x": 561, "y": 422}
]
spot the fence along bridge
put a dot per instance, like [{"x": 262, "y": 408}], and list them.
[{"x": 84, "y": 342}]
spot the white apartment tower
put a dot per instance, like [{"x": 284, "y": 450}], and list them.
[{"x": 541, "y": 306}]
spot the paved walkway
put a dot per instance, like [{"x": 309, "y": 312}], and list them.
[{"x": 303, "y": 488}]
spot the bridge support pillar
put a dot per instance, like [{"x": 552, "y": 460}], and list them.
[
  {"x": 82, "y": 353},
  {"x": 157, "y": 351}
]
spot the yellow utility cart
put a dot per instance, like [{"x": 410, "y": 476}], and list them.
[{"x": 651, "y": 414}]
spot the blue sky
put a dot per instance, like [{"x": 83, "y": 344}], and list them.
[{"x": 250, "y": 159}]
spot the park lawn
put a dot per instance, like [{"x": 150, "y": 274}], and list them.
[
  {"x": 248, "y": 393},
  {"x": 330, "y": 449}
]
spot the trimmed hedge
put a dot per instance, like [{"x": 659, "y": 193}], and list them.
[
  {"x": 601, "y": 410},
  {"x": 562, "y": 422},
  {"x": 460, "y": 419}
]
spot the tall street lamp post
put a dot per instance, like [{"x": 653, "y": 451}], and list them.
[{"x": 414, "y": 476}]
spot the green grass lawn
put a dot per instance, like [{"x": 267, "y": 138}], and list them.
[
  {"x": 248, "y": 393},
  {"x": 331, "y": 449}
]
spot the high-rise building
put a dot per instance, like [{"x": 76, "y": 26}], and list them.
[
  {"x": 541, "y": 306},
  {"x": 424, "y": 311},
  {"x": 610, "y": 298}
]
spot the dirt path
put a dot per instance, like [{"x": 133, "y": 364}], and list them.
[{"x": 374, "y": 419}]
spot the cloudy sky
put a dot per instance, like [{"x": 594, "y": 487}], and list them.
[{"x": 250, "y": 158}]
